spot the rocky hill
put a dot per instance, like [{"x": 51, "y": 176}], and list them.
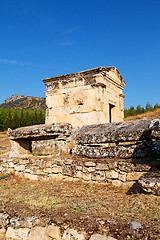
[{"x": 24, "y": 102}]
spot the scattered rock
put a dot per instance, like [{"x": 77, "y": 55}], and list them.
[
  {"x": 101, "y": 237},
  {"x": 134, "y": 225},
  {"x": 150, "y": 182}
]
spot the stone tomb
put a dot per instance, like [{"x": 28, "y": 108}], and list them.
[
  {"x": 110, "y": 153},
  {"x": 89, "y": 97}
]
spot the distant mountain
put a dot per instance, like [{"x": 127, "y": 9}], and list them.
[{"x": 24, "y": 102}]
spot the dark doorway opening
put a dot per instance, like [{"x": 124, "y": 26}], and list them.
[{"x": 111, "y": 106}]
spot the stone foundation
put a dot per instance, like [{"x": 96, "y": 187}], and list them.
[
  {"x": 30, "y": 228},
  {"x": 90, "y": 153},
  {"x": 118, "y": 173}
]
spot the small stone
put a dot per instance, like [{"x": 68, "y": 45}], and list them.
[
  {"x": 16, "y": 234},
  {"x": 134, "y": 225},
  {"x": 68, "y": 161},
  {"x": 72, "y": 234},
  {"x": 134, "y": 176},
  {"x": 101, "y": 237},
  {"x": 2, "y": 234},
  {"x": 87, "y": 177},
  {"x": 116, "y": 183},
  {"x": 89, "y": 164},
  {"x": 53, "y": 232},
  {"x": 102, "y": 166},
  {"x": 38, "y": 233},
  {"x": 111, "y": 174},
  {"x": 4, "y": 219},
  {"x": 98, "y": 176}
]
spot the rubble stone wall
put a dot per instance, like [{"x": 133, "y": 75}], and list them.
[
  {"x": 104, "y": 153},
  {"x": 31, "y": 228},
  {"x": 118, "y": 173}
]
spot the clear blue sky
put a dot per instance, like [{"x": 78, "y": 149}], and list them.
[{"x": 45, "y": 38}]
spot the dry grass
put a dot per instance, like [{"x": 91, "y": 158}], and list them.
[
  {"x": 77, "y": 197},
  {"x": 79, "y": 204},
  {"x": 4, "y": 143},
  {"x": 152, "y": 114}
]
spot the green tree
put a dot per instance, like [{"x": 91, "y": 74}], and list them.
[{"x": 148, "y": 107}]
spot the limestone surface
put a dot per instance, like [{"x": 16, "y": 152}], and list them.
[
  {"x": 40, "y": 131},
  {"x": 93, "y": 96},
  {"x": 125, "y": 131},
  {"x": 150, "y": 183},
  {"x": 128, "y": 139}
]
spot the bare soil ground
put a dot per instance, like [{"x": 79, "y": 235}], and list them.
[{"x": 82, "y": 206}]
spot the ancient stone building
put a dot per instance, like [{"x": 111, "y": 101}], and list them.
[{"x": 89, "y": 97}]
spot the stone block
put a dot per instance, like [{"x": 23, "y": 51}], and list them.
[
  {"x": 79, "y": 168},
  {"x": 11, "y": 164},
  {"x": 60, "y": 118},
  {"x": 89, "y": 164},
  {"x": 55, "y": 111},
  {"x": 48, "y": 170},
  {"x": 56, "y": 169},
  {"x": 67, "y": 179},
  {"x": 112, "y": 174},
  {"x": 24, "y": 161},
  {"x": 87, "y": 177},
  {"x": 91, "y": 169},
  {"x": 112, "y": 164},
  {"x": 55, "y": 101},
  {"x": 116, "y": 183},
  {"x": 133, "y": 176},
  {"x": 38, "y": 233},
  {"x": 20, "y": 147},
  {"x": 79, "y": 174},
  {"x": 27, "y": 170},
  {"x": 39, "y": 171},
  {"x": 17, "y": 234},
  {"x": 69, "y": 170},
  {"x": 127, "y": 184},
  {"x": 122, "y": 177},
  {"x": 102, "y": 166},
  {"x": 48, "y": 164},
  {"x": 98, "y": 176},
  {"x": 56, "y": 177},
  {"x": 19, "y": 168},
  {"x": 53, "y": 232},
  {"x": 2, "y": 234},
  {"x": 88, "y": 118},
  {"x": 10, "y": 171},
  {"x": 98, "y": 237},
  {"x": 72, "y": 234},
  {"x": 4, "y": 220},
  {"x": 58, "y": 161},
  {"x": 31, "y": 176},
  {"x": 68, "y": 161}
]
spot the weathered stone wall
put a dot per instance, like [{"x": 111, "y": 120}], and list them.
[
  {"x": 91, "y": 153},
  {"x": 83, "y": 98},
  {"x": 118, "y": 173},
  {"x": 31, "y": 228},
  {"x": 129, "y": 139}
]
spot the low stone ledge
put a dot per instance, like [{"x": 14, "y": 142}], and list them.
[
  {"x": 40, "y": 131},
  {"x": 129, "y": 139},
  {"x": 126, "y": 131}
]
